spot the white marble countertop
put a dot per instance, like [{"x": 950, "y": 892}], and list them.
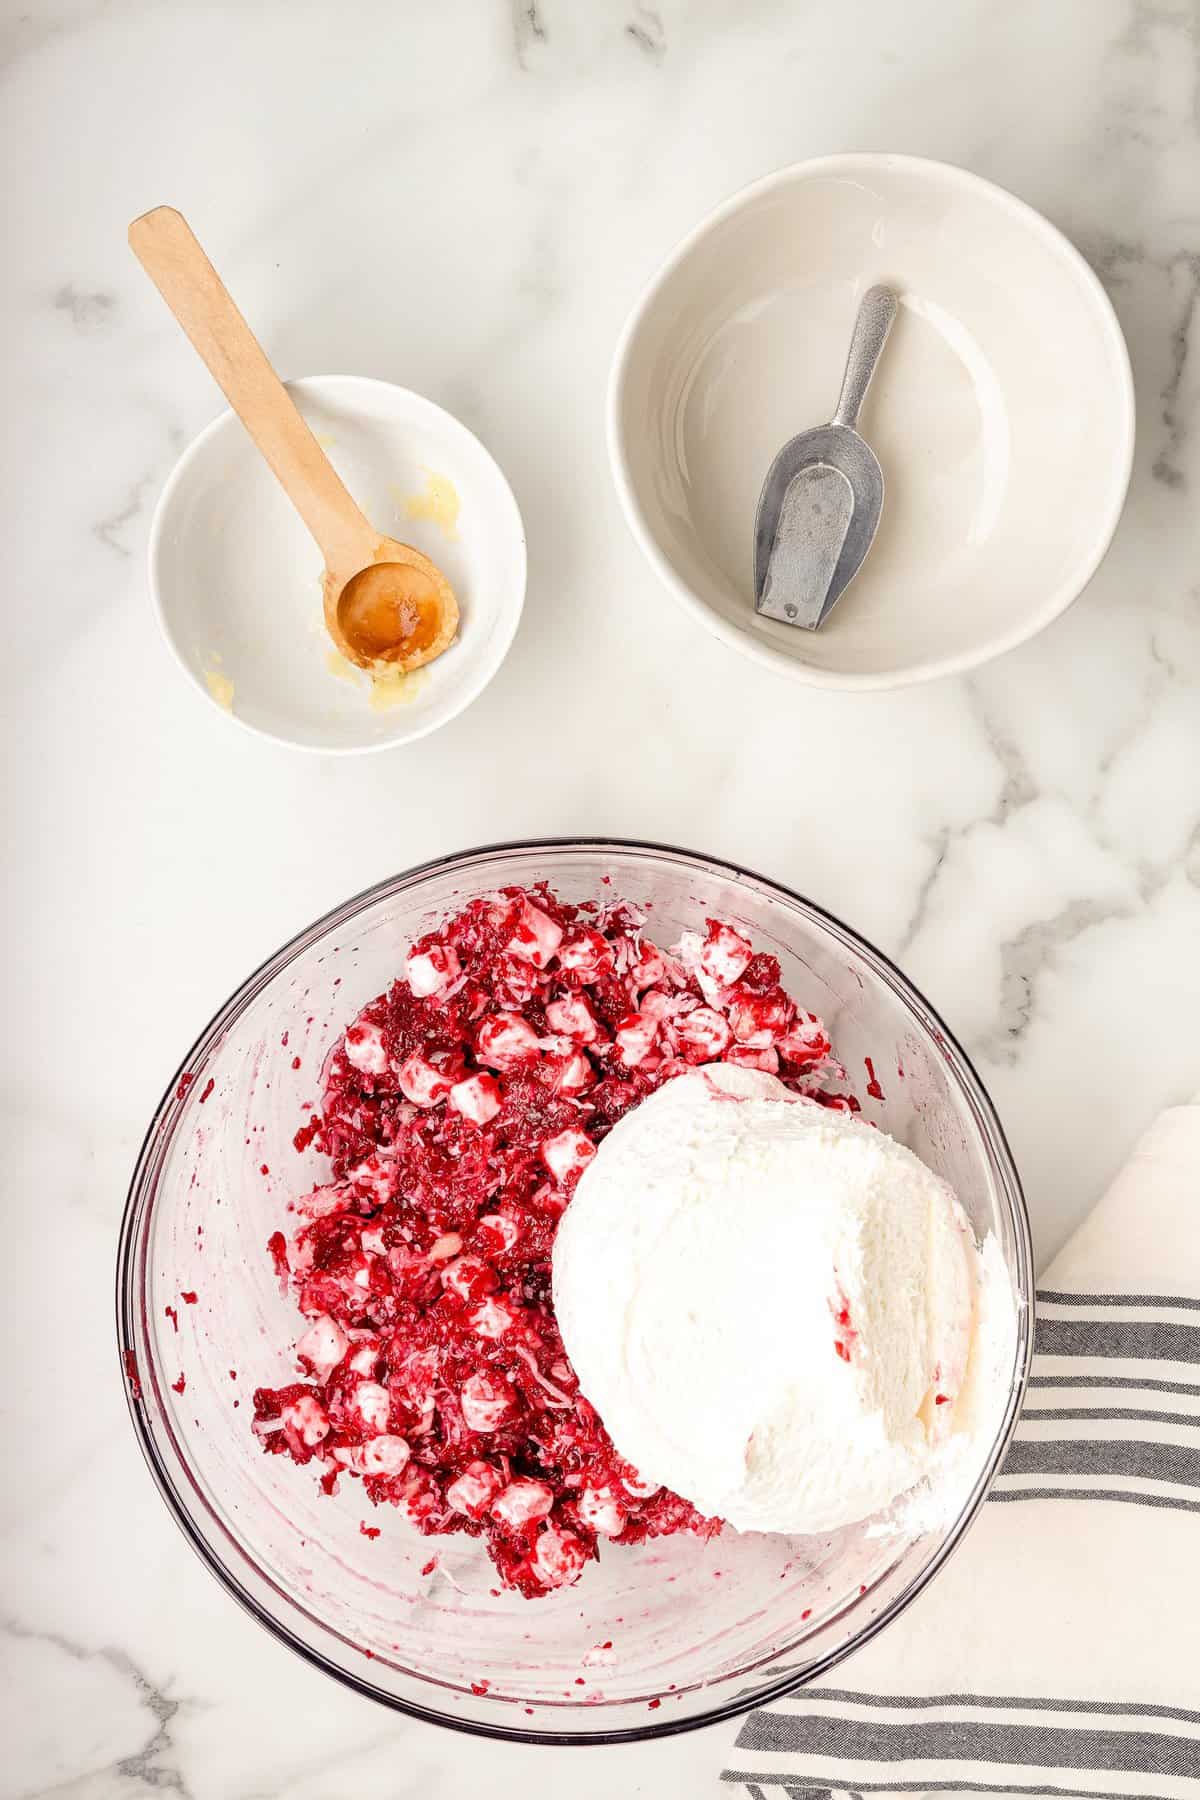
[{"x": 466, "y": 198}]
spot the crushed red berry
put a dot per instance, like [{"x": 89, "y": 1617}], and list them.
[
  {"x": 458, "y": 1112},
  {"x": 277, "y": 1245},
  {"x": 308, "y": 1133}
]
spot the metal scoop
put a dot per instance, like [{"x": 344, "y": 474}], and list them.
[{"x": 820, "y": 504}]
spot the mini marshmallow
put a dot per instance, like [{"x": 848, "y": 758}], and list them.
[
  {"x": 422, "y": 1083},
  {"x": 505, "y": 1041},
  {"x": 635, "y": 1039},
  {"x": 567, "y": 1154},
  {"x": 374, "y": 1404},
  {"x": 474, "y": 1490},
  {"x": 704, "y": 1035},
  {"x": 586, "y": 953},
  {"x": 430, "y": 971},
  {"x": 536, "y": 937},
  {"x": 492, "y": 1319},
  {"x": 363, "y": 1045},
  {"x": 522, "y": 1502},
  {"x": 574, "y": 1075},
  {"x": 308, "y": 1419},
  {"x": 558, "y": 1558},
  {"x": 599, "y": 1508},
  {"x": 476, "y": 1099},
  {"x": 323, "y": 1346},
  {"x": 572, "y": 1017},
  {"x": 384, "y": 1455}
]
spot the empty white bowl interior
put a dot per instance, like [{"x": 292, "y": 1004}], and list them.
[
  {"x": 1001, "y": 411},
  {"x": 237, "y": 578}
]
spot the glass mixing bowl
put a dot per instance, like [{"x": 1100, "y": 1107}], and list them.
[{"x": 652, "y": 1639}]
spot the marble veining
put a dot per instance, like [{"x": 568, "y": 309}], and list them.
[
  {"x": 467, "y": 199},
  {"x": 528, "y": 29}
]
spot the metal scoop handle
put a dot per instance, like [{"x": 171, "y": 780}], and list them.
[{"x": 876, "y": 315}]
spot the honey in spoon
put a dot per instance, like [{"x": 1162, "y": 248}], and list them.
[{"x": 399, "y": 610}]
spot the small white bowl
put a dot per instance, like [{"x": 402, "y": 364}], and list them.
[
  {"x": 236, "y": 579},
  {"x": 1002, "y": 412}
]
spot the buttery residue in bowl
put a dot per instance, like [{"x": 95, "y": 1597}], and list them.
[
  {"x": 219, "y": 685},
  {"x": 387, "y": 685},
  {"x": 395, "y": 687},
  {"x": 341, "y": 667},
  {"x": 438, "y": 502}
]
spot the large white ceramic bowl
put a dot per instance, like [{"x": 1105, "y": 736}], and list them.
[
  {"x": 236, "y": 579},
  {"x": 1002, "y": 412}
]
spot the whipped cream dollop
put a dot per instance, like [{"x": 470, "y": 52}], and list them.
[{"x": 778, "y": 1311}]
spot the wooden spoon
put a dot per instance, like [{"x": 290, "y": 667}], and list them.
[{"x": 384, "y": 601}]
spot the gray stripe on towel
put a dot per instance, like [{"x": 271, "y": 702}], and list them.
[
  {"x": 1130, "y": 1458},
  {"x": 1119, "y": 1339},
  {"x": 1164, "y": 1301},
  {"x": 953, "y": 1741},
  {"x": 1114, "y": 1381},
  {"x": 1098, "y": 1413},
  {"x": 1127, "y": 1495},
  {"x": 1008, "y": 1703},
  {"x": 810, "y": 1785}
]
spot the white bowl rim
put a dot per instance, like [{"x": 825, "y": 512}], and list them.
[
  {"x": 470, "y": 691},
  {"x": 1066, "y": 591}
]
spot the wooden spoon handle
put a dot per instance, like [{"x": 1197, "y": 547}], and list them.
[{"x": 165, "y": 246}]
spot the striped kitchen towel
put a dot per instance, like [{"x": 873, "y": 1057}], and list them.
[{"x": 1058, "y": 1652}]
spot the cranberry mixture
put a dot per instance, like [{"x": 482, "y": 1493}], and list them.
[{"x": 458, "y": 1112}]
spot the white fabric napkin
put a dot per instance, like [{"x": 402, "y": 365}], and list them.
[{"x": 1058, "y": 1652}]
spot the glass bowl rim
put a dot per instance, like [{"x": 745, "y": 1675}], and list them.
[{"x": 158, "y": 1134}]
